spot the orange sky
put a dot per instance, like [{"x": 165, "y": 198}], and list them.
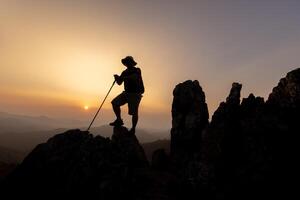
[{"x": 58, "y": 56}]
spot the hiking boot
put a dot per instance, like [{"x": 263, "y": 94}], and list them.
[{"x": 117, "y": 122}]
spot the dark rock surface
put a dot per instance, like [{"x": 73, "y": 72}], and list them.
[
  {"x": 160, "y": 160},
  {"x": 76, "y": 164},
  {"x": 247, "y": 149},
  {"x": 189, "y": 118},
  {"x": 286, "y": 93},
  {"x": 151, "y": 147}
]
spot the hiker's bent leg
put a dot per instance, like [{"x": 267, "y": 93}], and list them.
[
  {"x": 117, "y": 103},
  {"x": 117, "y": 110}
]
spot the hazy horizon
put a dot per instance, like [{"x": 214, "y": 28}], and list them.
[
  {"x": 56, "y": 57},
  {"x": 71, "y": 122},
  {"x": 19, "y": 134}
]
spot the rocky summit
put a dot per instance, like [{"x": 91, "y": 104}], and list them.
[
  {"x": 76, "y": 164},
  {"x": 247, "y": 151}
]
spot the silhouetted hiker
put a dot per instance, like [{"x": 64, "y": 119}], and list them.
[{"x": 134, "y": 88}]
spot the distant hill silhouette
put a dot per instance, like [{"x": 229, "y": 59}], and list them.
[
  {"x": 150, "y": 147},
  {"x": 33, "y": 123},
  {"x": 8, "y": 160},
  {"x": 8, "y": 155},
  {"x": 5, "y": 169},
  {"x": 247, "y": 151}
]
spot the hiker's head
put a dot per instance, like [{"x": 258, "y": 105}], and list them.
[{"x": 128, "y": 61}]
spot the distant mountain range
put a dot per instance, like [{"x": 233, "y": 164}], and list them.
[
  {"x": 19, "y": 134},
  {"x": 8, "y": 160},
  {"x": 19, "y": 123},
  {"x": 8, "y": 155}
]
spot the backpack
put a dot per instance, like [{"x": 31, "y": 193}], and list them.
[{"x": 140, "y": 84}]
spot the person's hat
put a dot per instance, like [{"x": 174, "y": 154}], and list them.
[{"x": 128, "y": 61}]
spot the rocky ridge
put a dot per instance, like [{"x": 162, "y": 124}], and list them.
[{"x": 245, "y": 152}]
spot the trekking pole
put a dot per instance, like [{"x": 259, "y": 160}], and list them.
[{"x": 101, "y": 106}]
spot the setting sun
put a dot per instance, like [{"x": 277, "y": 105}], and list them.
[{"x": 86, "y": 107}]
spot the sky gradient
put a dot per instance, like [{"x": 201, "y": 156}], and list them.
[{"x": 58, "y": 56}]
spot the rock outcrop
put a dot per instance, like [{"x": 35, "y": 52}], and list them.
[
  {"x": 246, "y": 147},
  {"x": 286, "y": 93},
  {"x": 76, "y": 164},
  {"x": 224, "y": 125},
  {"x": 189, "y": 118}
]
